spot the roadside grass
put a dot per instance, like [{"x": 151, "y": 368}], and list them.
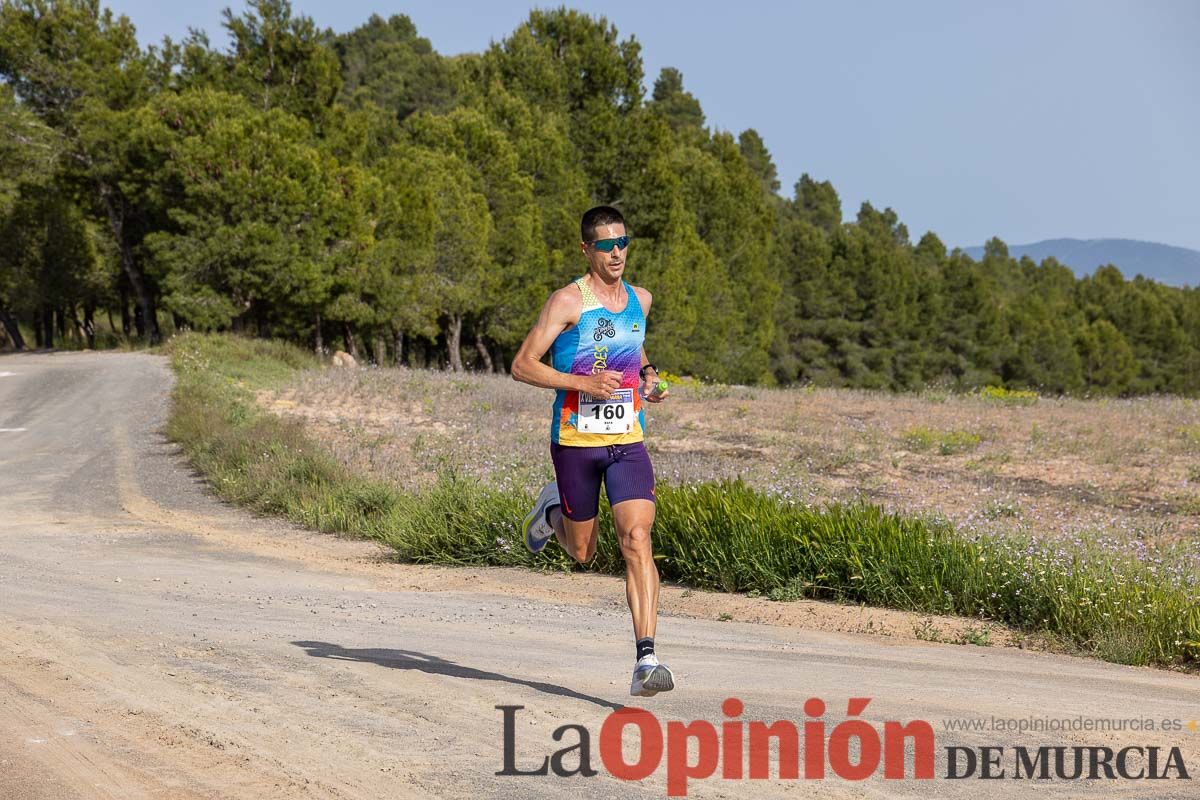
[
  {"x": 1108, "y": 600},
  {"x": 920, "y": 439}
]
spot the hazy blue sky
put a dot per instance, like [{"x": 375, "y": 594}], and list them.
[{"x": 1025, "y": 120}]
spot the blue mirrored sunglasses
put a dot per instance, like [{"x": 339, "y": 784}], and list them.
[{"x": 607, "y": 245}]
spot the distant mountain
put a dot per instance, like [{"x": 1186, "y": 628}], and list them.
[{"x": 1176, "y": 266}]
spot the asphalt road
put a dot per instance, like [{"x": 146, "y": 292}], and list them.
[{"x": 155, "y": 643}]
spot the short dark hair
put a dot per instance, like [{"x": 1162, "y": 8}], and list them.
[{"x": 595, "y": 217}]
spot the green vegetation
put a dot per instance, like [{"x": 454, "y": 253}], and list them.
[
  {"x": 1191, "y": 435},
  {"x": 954, "y": 442},
  {"x": 920, "y": 439},
  {"x": 726, "y": 536},
  {"x": 1001, "y": 508},
  {"x": 926, "y": 631},
  {"x": 980, "y": 637},
  {"x": 1036, "y": 434},
  {"x": 1008, "y": 397},
  {"x": 360, "y": 190}
]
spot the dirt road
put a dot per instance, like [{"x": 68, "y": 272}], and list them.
[{"x": 157, "y": 644}]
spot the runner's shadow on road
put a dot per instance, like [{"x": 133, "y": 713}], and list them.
[{"x": 410, "y": 659}]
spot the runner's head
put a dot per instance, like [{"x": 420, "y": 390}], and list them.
[{"x": 604, "y": 241}]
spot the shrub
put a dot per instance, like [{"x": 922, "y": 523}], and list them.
[
  {"x": 920, "y": 439},
  {"x": 1008, "y": 397}
]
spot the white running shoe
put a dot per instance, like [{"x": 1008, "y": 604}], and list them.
[
  {"x": 650, "y": 677},
  {"x": 537, "y": 528}
]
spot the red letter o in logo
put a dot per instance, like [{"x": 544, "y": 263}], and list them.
[{"x": 651, "y": 749}]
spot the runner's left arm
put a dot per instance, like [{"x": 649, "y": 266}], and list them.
[
  {"x": 645, "y": 361},
  {"x": 649, "y": 378}
]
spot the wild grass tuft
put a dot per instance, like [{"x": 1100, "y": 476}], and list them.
[
  {"x": 1007, "y": 397},
  {"x": 1191, "y": 435},
  {"x": 921, "y": 438}
]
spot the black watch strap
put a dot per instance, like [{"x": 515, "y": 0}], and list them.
[{"x": 642, "y": 371}]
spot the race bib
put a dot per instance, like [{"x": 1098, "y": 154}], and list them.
[{"x": 614, "y": 415}]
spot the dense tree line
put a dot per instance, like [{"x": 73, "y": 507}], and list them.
[{"x": 362, "y": 191}]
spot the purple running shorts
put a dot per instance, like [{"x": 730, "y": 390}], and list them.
[{"x": 625, "y": 470}]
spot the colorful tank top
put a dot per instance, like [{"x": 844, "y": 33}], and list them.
[{"x": 602, "y": 340}]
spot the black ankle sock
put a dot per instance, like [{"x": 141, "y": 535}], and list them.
[{"x": 645, "y": 647}]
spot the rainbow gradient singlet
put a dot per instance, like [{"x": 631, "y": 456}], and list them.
[{"x": 602, "y": 340}]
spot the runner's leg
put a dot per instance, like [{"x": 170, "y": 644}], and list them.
[
  {"x": 633, "y": 520},
  {"x": 576, "y": 524},
  {"x": 629, "y": 483},
  {"x": 578, "y": 539}
]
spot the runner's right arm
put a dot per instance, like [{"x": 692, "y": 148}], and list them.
[{"x": 561, "y": 311}]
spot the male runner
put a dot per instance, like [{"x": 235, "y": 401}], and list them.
[{"x": 595, "y": 327}]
